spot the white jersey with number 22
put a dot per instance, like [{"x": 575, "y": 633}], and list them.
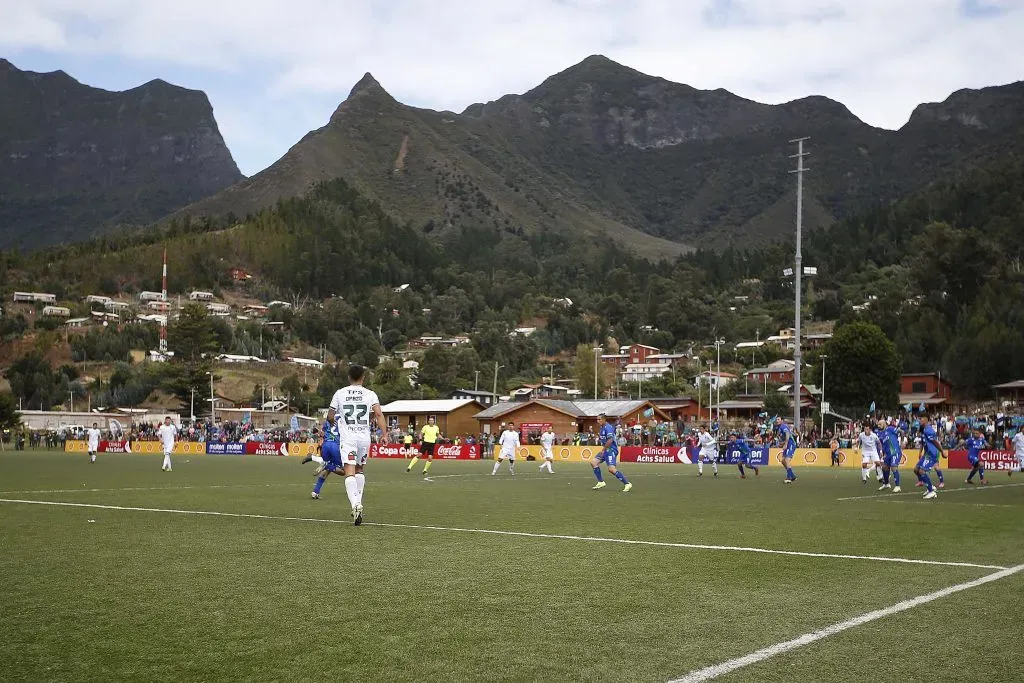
[{"x": 353, "y": 407}]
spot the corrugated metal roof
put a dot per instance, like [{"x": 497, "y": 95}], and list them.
[
  {"x": 498, "y": 410},
  {"x": 408, "y": 407},
  {"x": 610, "y": 408}
]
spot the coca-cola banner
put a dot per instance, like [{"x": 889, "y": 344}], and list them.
[
  {"x": 1001, "y": 461},
  {"x": 441, "y": 452}
]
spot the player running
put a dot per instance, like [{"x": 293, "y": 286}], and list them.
[
  {"x": 609, "y": 455},
  {"x": 349, "y": 415},
  {"x": 893, "y": 455},
  {"x": 167, "y": 433},
  {"x": 740, "y": 449},
  {"x": 547, "y": 444},
  {"x": 509, "y": 441},
  {"x": 788, "y": 440},
  {"x": 931, "y": 451},
  {"x": 1018, "y": 450},
  {"x": 428, "y": 443},
  {"x": 94, "y": 441},
  {"x": 975, "y": 443},
  {"x": 708, "y": 451},
  {"x": 869, "y": 458}
]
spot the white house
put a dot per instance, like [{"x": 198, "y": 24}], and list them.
[
  {"x": 401, "y": 288},
  {"x": 115, "y": 306},
  {"x": 200, "y": 296},
  {"x": 35, "y": 297},
  {"x": 642, "y": 372},
  {"x": 97, "y": 299},
  {"x": 218, "y": 309},
  {"x": 104, "y": 315},
  {"x": 151, "y": 296},
  {"x": 233, "y": 358},
  {"x": 279, "y": 304},
  {"x": 76, "y": 322},
  {"x": 307, "y": 362},
  {"x": 715, "y": 379},
  {"x": 58, "y": 311}
]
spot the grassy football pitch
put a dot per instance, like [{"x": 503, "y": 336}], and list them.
[{"x": 123, "y": 585}]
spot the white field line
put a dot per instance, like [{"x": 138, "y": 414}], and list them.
[
  {"x": 151, "y": 488},
  {"x": 714, "y": 671},
  {"x": 946, "y": 502},
  {"x": 518, "y": 534},
  {"x": 942, "y": 492}
]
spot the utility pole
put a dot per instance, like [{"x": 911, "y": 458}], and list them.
[
  {"x": 495, "y": 381},
  {"x": 597, "y": 350},
  {"x": 476, "y": 382},
  {"x": 823, "y": 359},
  {"x": 72, "y": 392},
  {"x": 797, "y": 273},
  {"x": 718, "y": 380},
  {"x": 213, "y": 405}
]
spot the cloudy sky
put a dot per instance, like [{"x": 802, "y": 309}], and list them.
[{"x": 275, "y": 69}]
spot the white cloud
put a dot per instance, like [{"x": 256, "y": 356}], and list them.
[{"x": 878, "y": 57}]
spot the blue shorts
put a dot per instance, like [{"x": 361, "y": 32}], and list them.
[
  {"x": 927, "y": 462},
  {"x": 893, "y": 460},
  {"x": 789, "y": 451},
  {"x": 973, "y": 459},
  {"x": 331, "y": 453},
  {"x": 609, "y": 458}
]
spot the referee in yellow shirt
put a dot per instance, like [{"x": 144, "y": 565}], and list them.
[{"x": 428, "y": 442}]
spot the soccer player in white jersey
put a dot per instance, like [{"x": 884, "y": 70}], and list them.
[
  {"x": 708, "y": 451},
  {"x": 1018, "y": 450},
  {"x": 870, "y": 448},
  {"x": 509, "y": 441},
  {"x": 547, "y": 444},
  {"x": 167, "y": 433},
  {"x": 94, "y": 442},
  {"x": 350, "y": 413}
]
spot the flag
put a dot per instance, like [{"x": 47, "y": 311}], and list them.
[
  {"x": 872, "y": 408},
  {"x": 247, "y": 418},
  {"x": 649, "y": 412},
  {"x": 908, "y": 407},
  {"x": 920, "y": 408},
  {"x": 295, "y": 423}
]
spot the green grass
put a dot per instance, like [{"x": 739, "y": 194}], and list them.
[{"x": 101, "y": 594}]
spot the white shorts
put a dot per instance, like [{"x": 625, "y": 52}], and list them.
[
  {"x": 507, "y": 455},
  {"x": 869, "y": 459},
  {"x": 709, "y": 456},
  {"x": 548, "y": 454},
  {"x": 94, "y": 448},
  {"x": 354, "y": 452}
]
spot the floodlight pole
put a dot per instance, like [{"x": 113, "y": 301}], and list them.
[{"x": 797, "y": 274}]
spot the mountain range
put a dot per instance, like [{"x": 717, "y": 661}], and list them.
[
  {"x": 76, "y": 161},
  {"x": 597, "y": 150}
]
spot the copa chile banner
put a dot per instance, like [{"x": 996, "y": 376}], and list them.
[{"x": 441, "y": 451}]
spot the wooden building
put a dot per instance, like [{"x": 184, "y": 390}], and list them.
[{"x": 455, "y": 417}]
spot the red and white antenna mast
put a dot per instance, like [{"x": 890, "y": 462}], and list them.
[{"x": 166, "y": 307}]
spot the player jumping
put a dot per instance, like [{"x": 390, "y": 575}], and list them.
[{"x": 609, "y": 455}]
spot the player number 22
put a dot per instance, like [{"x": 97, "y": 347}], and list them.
[{"x": 355, "y": 414}]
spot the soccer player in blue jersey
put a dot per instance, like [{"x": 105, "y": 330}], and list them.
[
  {"x": 931, "y": 451},
  {"x": 788, "y": 442},
  {"x": 609, "y": 455},
  {"x": 329, "y": 458},
  {"x": 975, "y": 443},
  {"x": 893, "y": 454},
  {"x": 740, "y": 449}
]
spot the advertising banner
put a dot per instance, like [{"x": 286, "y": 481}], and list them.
[
  {"x": 441, "y": 452},
  {"x": 998, "y": 460},
  {"x": 266, "y": 448},
  {"x": 562, "y": 453},
  {"x": 660, "y": 454},
  {"x": 758, "y": 457},
  {"x": 234, "y": 448},
  {"x": 146, "y": 447}
]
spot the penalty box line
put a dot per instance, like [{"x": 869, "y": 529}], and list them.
[
  {"x": 517, "y": 534},
  {"x": 716, "y": 670}
]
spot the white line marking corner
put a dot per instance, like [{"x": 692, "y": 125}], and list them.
[{"x": 716, "y": 670}]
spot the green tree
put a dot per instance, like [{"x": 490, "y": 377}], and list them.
[
  {"x": 777, "y": 403},
  {"x": 583, "y": 371},
  {"x": 33, "y": 380},
  {"x": 863, "y": 368},
  {"x": 9, "y": 416},
  {"x": 193, "y": 340}
]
